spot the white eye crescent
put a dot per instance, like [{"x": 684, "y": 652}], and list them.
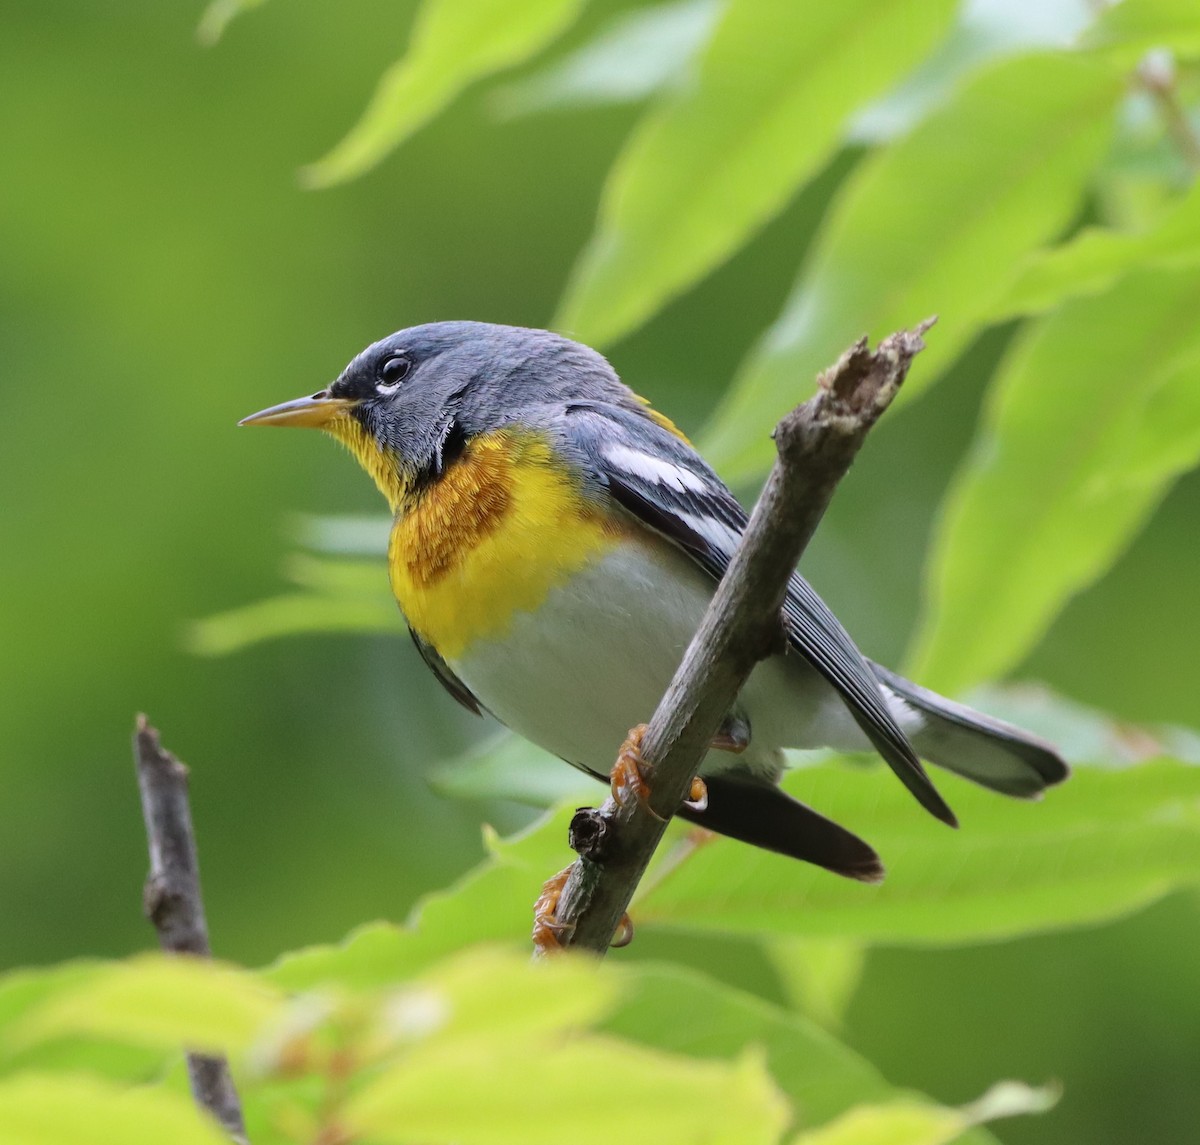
[{"x": 392, "y": 372}]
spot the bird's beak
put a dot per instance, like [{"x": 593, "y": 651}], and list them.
[{"x": 317, "y": 412}]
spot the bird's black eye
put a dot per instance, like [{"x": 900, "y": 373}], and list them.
[{"x": 394, "y": 370}]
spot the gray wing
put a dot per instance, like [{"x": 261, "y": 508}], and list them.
[
  {"x": 665, "y": 484},
  {"x": 445, "y": 677}
]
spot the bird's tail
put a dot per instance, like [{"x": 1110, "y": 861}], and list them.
[
  {"x": 987, "y": 750},
  {"x": 755, "y": 811}
]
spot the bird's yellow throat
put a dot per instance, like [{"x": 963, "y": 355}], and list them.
[{"x": 503, "y": 526}]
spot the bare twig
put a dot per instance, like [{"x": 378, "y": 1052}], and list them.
[
  {"x": 1157, "y": 76},
  {"x": 816, "y": 443},
  {"x": 171, "y": 900}
]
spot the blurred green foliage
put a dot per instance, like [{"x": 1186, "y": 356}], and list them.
[{"x": 712, "y": 192}]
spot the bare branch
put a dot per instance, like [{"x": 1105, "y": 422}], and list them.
[
  {"x": 171, "y": 900},
  {"x": 816, "y": 444},
  {"x": 1157, "y": 75}
]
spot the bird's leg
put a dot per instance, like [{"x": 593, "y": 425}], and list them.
[
  {"x": 629, "y": 772},
  {"x": 734, "y": 736},
  {"x": 547, "y": 930}
]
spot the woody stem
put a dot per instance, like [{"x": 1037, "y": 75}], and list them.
[{"x": 816, "y": 444}]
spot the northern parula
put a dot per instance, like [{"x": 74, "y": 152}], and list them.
[{"x": 556, "y": 542}]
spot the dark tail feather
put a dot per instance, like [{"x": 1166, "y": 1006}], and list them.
[
  {"x": 759, "y": 813},
  {"x": 976, "y": 746}
]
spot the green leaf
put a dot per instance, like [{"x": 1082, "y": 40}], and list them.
[
  {"x": 1093, "y": 260},
  {"x": 340, "y": 596},
  {"x": 602, "y": 1089},
  {"x": 494, "y": 902},
  {"x": 1094, "y": 413},
  {"x": 937, "y": 223},
  {"x": 454, "y": 43},
  {"x": 1103, "y": 845},
  {"x": 24, "y": 991},
  {"x": 776, "y": 85},
  {"x": 484, "y": 996},
  {"x": 1131, "y": 28},
  {"x": 684, "y": 1012},
  {"x": 291, "y": 615},
  {"x": 219, "y": 15},
  {"x": 348, "y": 578},
  {"x": 56, "y": 1110},
  {"x": 466, "y": 1010},
  {"x": 493, "y": 993},
  {"x": 984, "y": 31},
  {"x": 911, "y": 1122},
  {"x": 161, "y": 1001},
  {"x": 820, "y": 975},
  {"x": 508, "y": 767},
  {"x": 636, "y": 54},
  {"x": 343, "y": 534}
]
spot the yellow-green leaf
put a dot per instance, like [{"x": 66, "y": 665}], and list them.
[
  {"x": 590, "y": 1090},
  {"x": 1133, "y": 27},
  {"x": 820, "y": 975},
  {"x": 166, "y": 1002},
  {"x": 65, "y": 1110},
  {"x": 219, "y": 15},
  {"x": 912, "y": 1122},
  {"x": 1097, "y": 257},
  {"x": 340, "y": 595},
  {"x": 24, "y": 991},
  {"x": 498, "y": 993},
  {"x": 936, "y": 223},
  {"x": 776, "y": 85},
  {"x": 507, "y": 767},
  {"x": 1104, "y": 844},
  {"x": 494, "y": 903},
  {"x": 637, "y": 53},
  {"x": 291, "y": 615},
  {"x": 897, "y": 1123},
  {"x": 454, "y": 43},
  {"x": 1091, "y": 418}
]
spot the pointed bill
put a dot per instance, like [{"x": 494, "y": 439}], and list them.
[{"x": 316, "y": 412}]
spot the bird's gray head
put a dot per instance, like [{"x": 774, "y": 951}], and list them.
[{"x": 408, "y": 402}]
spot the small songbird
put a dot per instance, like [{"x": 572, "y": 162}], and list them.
[{"x": 556, "y": 542}]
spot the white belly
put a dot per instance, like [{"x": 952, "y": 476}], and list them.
[{"x": 596, "y": 658}]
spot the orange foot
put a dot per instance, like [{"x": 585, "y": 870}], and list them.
[
  {"x": 629, "y": 772},
  {"x": 547, "y": 930}
]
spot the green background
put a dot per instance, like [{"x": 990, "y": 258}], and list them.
[{"x": 163, "y": 275}]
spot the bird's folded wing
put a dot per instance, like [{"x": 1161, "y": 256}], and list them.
[
  {"x": 666, "y": 485},
  {"x": 446, "y": 677}
]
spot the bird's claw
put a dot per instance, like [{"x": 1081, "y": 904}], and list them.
[
  {"x": 629, "y": 779},
  {"x": 697, "y": 799},
  {"x": 547, "y": 930},
  {"x": 623, "y": 935}
]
